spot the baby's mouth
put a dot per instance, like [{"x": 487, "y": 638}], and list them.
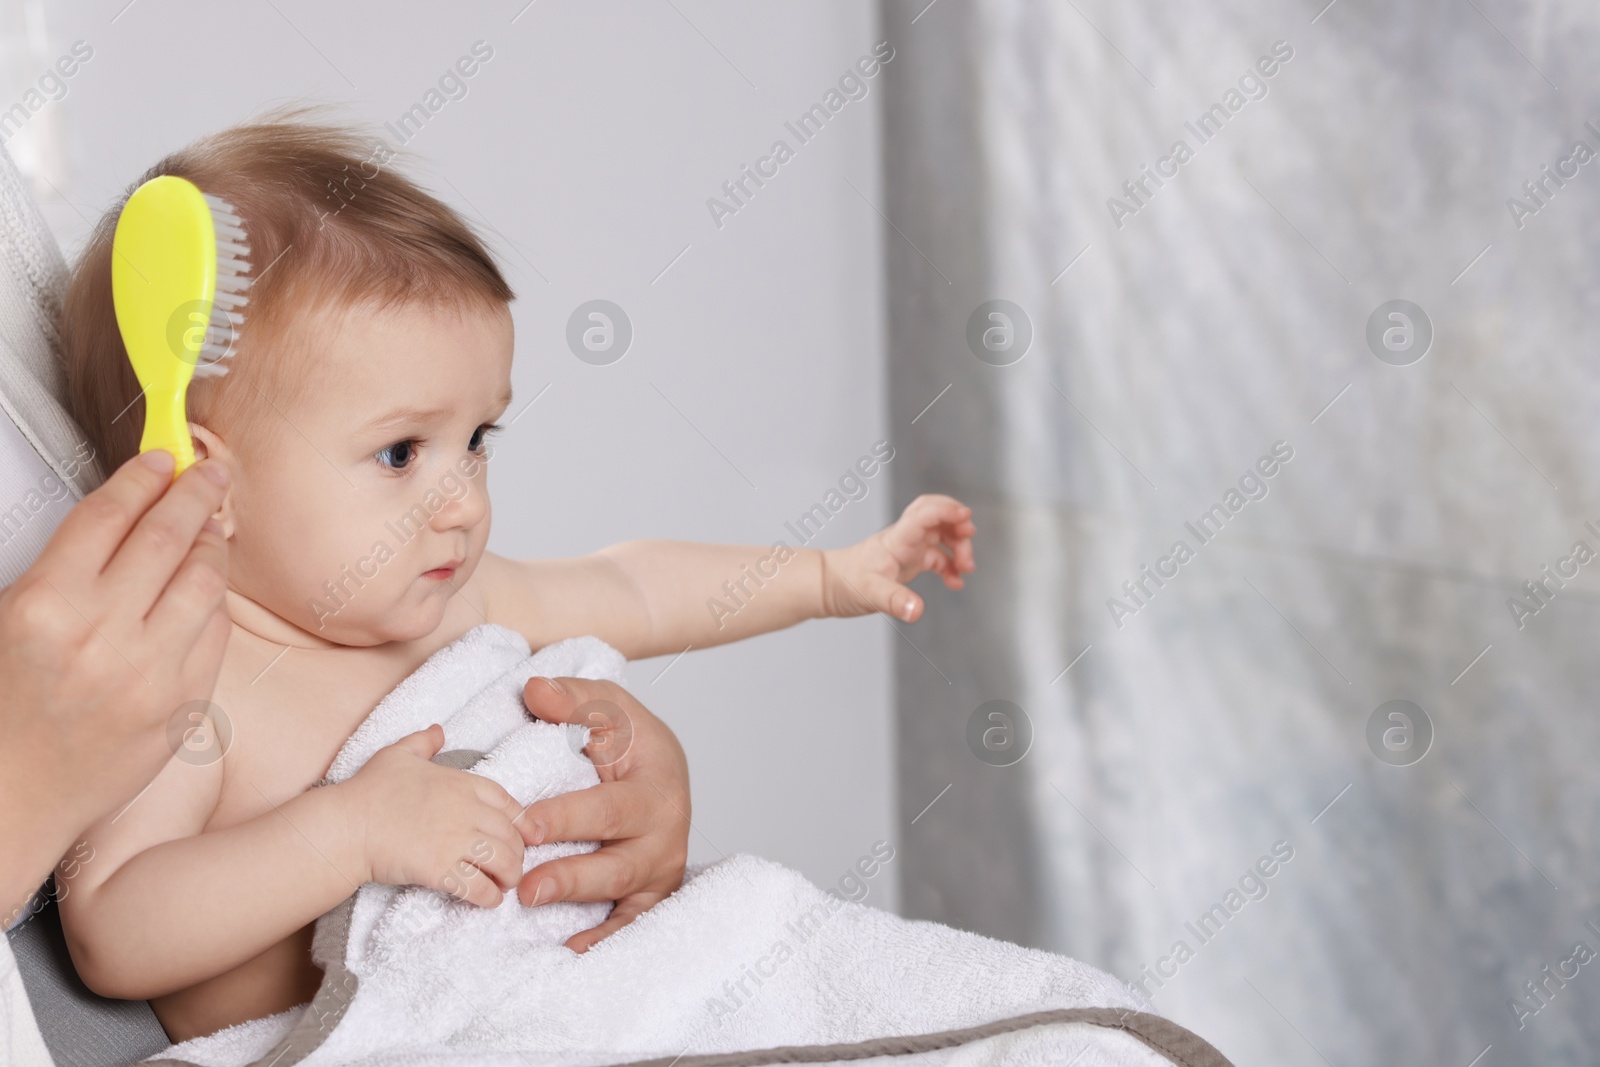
[{"x": 445, "y": 572}]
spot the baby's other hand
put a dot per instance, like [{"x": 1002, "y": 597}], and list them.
[
  {"x": 934, "y": 534},
  {"x": 418, "y": 823}
]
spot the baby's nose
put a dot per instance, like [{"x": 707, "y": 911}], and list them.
[{"x": 461, "y": 511}]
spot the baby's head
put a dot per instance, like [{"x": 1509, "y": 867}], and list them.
[{"x": 374, "y": 358}]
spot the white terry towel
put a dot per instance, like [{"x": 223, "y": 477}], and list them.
[{"x": 746, "y": 956}]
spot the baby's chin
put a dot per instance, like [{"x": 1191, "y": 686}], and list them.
[{"x": 410, "y": 620}]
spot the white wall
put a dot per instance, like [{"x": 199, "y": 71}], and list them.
[{"x": 589, "y": 144}]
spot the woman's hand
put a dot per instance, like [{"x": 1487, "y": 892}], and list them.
[
  {"x": 639, "y": 811},
  {"x": 117, "y": 625}
]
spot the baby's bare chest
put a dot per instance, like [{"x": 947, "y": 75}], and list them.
[{"x": 288, "y": 722}]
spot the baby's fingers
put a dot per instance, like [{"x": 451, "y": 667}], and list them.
[
  {"x": 955, "y": 532},
  {"x": 466, "y": 881},
  {"x": 502, "y": 852},
  {"x": 503, "y": 807},
  {"x": 932, "y": 509},
  {"x": 945, "y": 566},
  {"x": 965, "y": 561},
  {"x": 499, "y": 849},
  {"x": 959, "y": 559}
]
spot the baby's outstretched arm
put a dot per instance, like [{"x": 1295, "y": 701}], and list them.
[
  {"x": 650, "y": 598},
  {"x": 163, "y": 905}
]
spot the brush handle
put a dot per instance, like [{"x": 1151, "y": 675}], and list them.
[{"x": 166, "y": 425}]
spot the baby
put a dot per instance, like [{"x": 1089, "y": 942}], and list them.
[{"x": 373, "y": 365}]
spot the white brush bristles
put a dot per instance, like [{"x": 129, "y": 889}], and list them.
[{"x": 233, "y": 278}]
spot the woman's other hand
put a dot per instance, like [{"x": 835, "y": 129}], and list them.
[{"x": 639, "y": 812}]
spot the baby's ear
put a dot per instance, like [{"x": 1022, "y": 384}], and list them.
[{"x": 209, "y": 445}]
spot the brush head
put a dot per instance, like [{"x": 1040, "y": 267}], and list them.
[
  {"x": 179, "y": 272},
  {"x": 229, "y": 299}
]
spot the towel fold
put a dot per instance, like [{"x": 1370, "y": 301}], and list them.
[{"x": 747, "y": 956}]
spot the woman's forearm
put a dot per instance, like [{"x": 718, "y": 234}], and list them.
[
  {"x": 188, "y": 910},
  {"x": 702, "y": 595}
]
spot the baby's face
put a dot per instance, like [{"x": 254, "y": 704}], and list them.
[{"x": 361, "y": 507}]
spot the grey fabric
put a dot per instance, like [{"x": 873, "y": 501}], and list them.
[
  {"x": 33, "y": 279},
  {"x": 80, "y": 1029},
  {"x": 33, "y": 502},
  {"x": 459, "y": 758},
  {"x": 1229, "y": 311},
  {"x": 1178, "y": 1045}
]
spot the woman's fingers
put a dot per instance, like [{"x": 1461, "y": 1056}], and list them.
[
  {"x": 577, "y": 703},
  {"x": 161, "y": 539},
  {"x": 91, "y": 532},
  {"x": 550, "y": 700},
  {"x": 626, "y": 910},
  {"x": 609, "y": 874},
  {"x": 196, "y": 593},
  {"x": 640, "y": 810},
  {"x": 599, "y": 705},
  {"x": 609, "y": 811}
]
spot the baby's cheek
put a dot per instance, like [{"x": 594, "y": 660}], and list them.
[
  {"x": 353, "y": 579},
  {"x": 480, "y": 536}
]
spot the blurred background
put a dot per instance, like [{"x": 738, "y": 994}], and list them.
[{"x": 1256, "y": 335}]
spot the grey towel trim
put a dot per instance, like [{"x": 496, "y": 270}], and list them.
[{"x": 1179, "y": 1045}]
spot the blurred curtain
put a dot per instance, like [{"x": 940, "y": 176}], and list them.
[{"x": 1175, "y": 343}]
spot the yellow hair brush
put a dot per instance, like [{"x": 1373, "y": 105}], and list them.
[{"x": 178, "y": 276}]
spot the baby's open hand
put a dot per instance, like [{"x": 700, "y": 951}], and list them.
[
  {"x": 934, "y": 534},
  {"x": 418, "y": 823}
]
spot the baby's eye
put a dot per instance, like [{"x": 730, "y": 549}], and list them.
[
  {"x": 481, "y": 434},
  {"x": 397, "y": 456}
]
